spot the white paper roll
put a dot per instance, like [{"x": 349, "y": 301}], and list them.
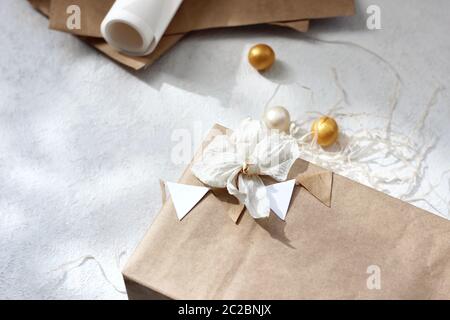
[{"x": 136, "y": 26}]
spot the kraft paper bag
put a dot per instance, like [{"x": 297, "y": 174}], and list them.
[{"x": 364, "y": 245}]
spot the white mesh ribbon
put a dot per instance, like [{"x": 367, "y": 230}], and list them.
[{"x": 236, "y": 162}]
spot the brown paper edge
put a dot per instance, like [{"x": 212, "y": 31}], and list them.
[{"x": 136, "y": 63}]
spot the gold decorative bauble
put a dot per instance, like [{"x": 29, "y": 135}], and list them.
[
  {"x": 277, "y": 118},
  {"x": 326, "y": 130},
  {"x": 261, "y": 57}
]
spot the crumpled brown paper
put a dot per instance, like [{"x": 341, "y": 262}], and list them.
[
  {"x": 365, "y": 245},
  {"x": 195, "y": 15}
]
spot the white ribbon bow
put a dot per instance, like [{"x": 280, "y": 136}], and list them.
[{"x": 251, "y": 151}]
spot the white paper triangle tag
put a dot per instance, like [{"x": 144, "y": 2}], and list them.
[
  {"x": 185, "y": 197},
  {"x": 280, "y": 195}
]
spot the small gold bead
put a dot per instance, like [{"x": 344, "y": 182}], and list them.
[
  {"x": 326, "y": 130},
  {"x": 261, "y": 57}
]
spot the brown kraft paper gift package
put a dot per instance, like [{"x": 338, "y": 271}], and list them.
[
  {"x": 319, "y": 252},
  {"x": 194, "y": 15}
]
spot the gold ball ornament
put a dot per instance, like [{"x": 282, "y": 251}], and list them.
[
  {"x": 261, "y": 57},
  {"x": 326, "y": 130},
  {"x": 277, "y": 118}
]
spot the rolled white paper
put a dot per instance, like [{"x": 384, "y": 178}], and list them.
[{"x": 136, "y": 26}]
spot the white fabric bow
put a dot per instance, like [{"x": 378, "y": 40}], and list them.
[{"x": 251, "y": 151}]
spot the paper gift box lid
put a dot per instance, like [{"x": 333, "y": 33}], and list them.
[{"x": 365, "y": 245}]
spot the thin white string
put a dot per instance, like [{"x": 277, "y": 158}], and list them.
[
  {"x": 384, "y": 159},
  {"x": 68, "y": 266}
]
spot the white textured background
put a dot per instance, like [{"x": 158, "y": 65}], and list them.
[{"x": 84, "y": 141}]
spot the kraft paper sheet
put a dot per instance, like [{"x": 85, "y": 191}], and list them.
[
  {"x": 206, "y": 14},
  {"x": 195, "y": 15}
]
